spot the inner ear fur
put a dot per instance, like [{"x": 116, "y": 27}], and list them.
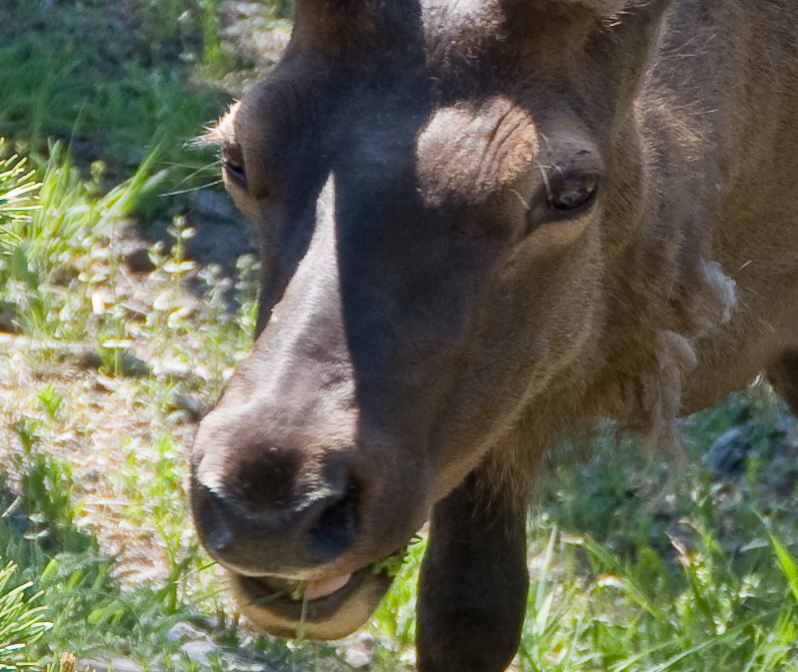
[{"x": 223, "y": 133}]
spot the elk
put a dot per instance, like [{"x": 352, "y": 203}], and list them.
[{"x": 484, "y": 224}]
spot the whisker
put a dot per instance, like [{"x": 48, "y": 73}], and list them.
[
  {"x": 542, "y": 169},
  {"x": 188, "y": 191},
  {"x": 521, "y": 198},
  {"x": 208, "y": 167}
]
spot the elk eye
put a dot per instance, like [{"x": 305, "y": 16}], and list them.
[
  {"x": 233, "y": 167},
  {"x": 568, "y": 194}
]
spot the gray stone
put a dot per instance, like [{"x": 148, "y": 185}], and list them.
[{"x": 200, "y": 651}]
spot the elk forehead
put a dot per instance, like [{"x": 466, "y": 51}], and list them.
[
  {"x": 600, "y": 7},
  {"x": 343, "y": 27},
  {"x": 477, "y": 45},
  {"x": 347, "y": 28}
]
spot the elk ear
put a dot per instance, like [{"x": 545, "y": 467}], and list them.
[{"x": 622, "y": 49}]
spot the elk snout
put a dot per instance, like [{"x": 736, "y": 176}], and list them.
[{"x": 274, "y": 510}]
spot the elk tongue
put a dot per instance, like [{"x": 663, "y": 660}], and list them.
[{"x": 317, "y": 589}]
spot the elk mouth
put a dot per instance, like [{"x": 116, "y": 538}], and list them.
[{"x": 328, "y": 609}]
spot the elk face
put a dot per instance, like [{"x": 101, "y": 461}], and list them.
[{"x": 433, "y": 253}]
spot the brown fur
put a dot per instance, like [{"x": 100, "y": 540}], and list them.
[{"x": 428, "y": 312}]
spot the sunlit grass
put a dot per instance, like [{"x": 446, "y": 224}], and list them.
[{"x": 18, "y": 190}]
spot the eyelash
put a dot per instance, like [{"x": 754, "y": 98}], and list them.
[{"x": 235, "y": 171}]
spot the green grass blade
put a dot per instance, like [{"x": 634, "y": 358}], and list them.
[{"x": 787, "y": 565}]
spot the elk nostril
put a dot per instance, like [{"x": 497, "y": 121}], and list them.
[
  {"x": 210, "y": 517},
  {"x": 336, "y": 526}
]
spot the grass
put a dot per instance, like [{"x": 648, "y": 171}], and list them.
[
  {"x": 71, "y": 72},
  {"x": 702, "y": 581},
  {"x": 21, "y": 621},
  {"x": 16, "y": 199},
  {"x": 62, "y": 571},
  {"x": 45, "y": 239},
  {"x": 107, "y": 371},
  {"x": 115, "y": 81}
]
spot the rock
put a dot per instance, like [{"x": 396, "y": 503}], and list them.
[
  {"x": 245, "y": 10},
  {"x": 184, "y": 631},
  {"x": 134, "y": 367},
  {"x": 195, "y": 409},
  {"x": 360, "y": 653},
  {"x": 270, "y": 46},
  {"x": 15, "y": 517},
  {"x": 90, "y": 360},
  {"x": 135, "y": 253},
  {"x": 726, "y": 457},
  {"x": 115, "y": 664},
  {"x": 198, "y": 646},
  {"x": 215, "y": 205},
  {"x": 200, "y": 651},
  {"x": 222, "y": 233}
]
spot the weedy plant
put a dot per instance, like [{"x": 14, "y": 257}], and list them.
[
  {"x": 62, "y": 596},
  {"x": 46, "y": 243},
  {"x": 17, "y": 198},
  {"x": 394, "y": 623},
  {"x": 22, "y": 623},
  {"x": 46, "y": 488}
]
